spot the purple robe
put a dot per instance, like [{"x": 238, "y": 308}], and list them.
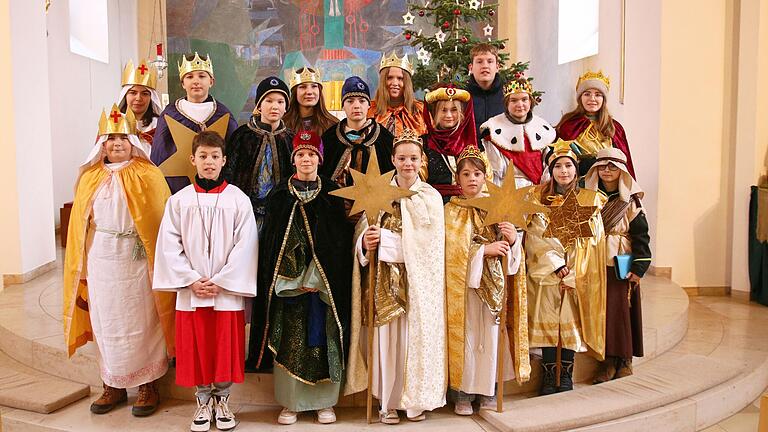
[{"x": 163, "y": 146}]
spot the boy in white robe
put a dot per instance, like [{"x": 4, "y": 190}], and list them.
[{"x": 207, "y": 253}]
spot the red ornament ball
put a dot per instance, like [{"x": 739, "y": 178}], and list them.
[
  {"x": 491, "y": 12},
  {"x": 457, "y": 11},
  {"x": 446, "y": 25},
  {"x": 421, "y": 13},
  {"x": 502, "y": 46},
  {"x": 464, "y": 39},
  {"x": 538, "y": 100},
  {"x": 408, "y": 36}
]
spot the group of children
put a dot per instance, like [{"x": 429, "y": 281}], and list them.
[{"x": 244, "y": 229}]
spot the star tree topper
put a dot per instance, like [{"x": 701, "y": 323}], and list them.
[
  {"x": 507, "y": 203},
  {"x": 178, "y": 164},
  {"x": 372, "y": 192},
  {"x": 570, "y": 221}
]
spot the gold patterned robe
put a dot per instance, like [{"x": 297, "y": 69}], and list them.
[
  {"x": 464, "y": 235},
  {"x": 577, "y": 317}
]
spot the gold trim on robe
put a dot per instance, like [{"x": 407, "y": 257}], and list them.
[
  {"x": 592, "y": 141},
  {"x": 576, "y": 318},
  {"x": 396, "y": 119},
  {"x": 146, "y": 193}
]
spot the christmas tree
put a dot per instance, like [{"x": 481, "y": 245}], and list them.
[{"x": 443, "y": 47}]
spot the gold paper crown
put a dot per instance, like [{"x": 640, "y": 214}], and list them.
[
  {"x": 145, "y": 74},
  {"x": 394, "y": 61},
  {"x": 408, "y": 135},
  {"x": 520, "y": 85},
  {"x": 590, "y": 76},
  {"x": 471, "y": 151},
  {"x": 559, "y": 149},
  {"x": 307, "y": 75},
  {"x": 196, "y": 64},
  {"x": 117, "y": 122},
  {"x": 447, "y": 94}
]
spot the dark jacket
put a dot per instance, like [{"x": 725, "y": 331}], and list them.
[{"x": 487, "y": 103}]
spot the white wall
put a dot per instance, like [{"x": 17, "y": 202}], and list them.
[
  {"x": 81, "y": 88},
  {"x": 537, "y": 41}
]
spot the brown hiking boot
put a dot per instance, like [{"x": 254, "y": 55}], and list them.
[
  {"x": 625, "y": 368},
  {"x": 147, "y": 400},
  {"x": 108, "y": 400},
  {"x": 607, "y": 370}
]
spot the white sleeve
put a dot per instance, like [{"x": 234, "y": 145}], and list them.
[
  {"x": 476, "y": 269},
  {"x": 390, "y": 247},
  {"x": 238, "y": 276},
  {"x": 172, "y": 270},
  {"x": 361, "y": 256},
  {"x": 514, "y": 255}
]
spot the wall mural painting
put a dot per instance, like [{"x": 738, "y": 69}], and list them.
[{"x": 252, "y": 39}]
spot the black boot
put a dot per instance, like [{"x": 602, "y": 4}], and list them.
[
  {"x": 566, "y": 376},
  {"x": 548, "y": 380}
]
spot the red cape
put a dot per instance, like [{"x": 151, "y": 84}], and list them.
[
  {"x": 574, "y": 127},
  {"x": 451, "y": 142}
]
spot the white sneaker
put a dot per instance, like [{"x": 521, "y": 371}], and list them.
[
  {"x": 463, "y": 408},
  {"x": 202, "y": 419},
  {"x": 225, "y": 419},
  {"x": 287, "y": 417},
  {"x": 326, "y": 416}
]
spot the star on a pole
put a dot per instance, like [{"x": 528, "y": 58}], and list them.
[
  {"x": 408, "y": 18},
  {"x": 488, "y": 30},
  {"x": 507, "y": 203},
  {"x": 570, "y": 221},
  {"x": 372, "y": 192},
  {"x": 178, "y": 164}
]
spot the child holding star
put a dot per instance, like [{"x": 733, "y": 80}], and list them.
[{"x": 565, "y": 263}]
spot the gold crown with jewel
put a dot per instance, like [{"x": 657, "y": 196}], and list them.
[
  {"x": 394, "y": 61},
  {"x": 593, "y": 80},
  {"x": 144, "y": 74},
  {"x": 307, "y": 75},
  {"x": 196, "y": 64},
  {"x": 471, "y": 151},
  {"x": 408, "y": 135},
  {"x": 561, "y": 148},
  {"x": 117, "y": 122},
  {"x": 520, "y": 85}
]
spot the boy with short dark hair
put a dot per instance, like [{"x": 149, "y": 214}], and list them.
[{"x": 212, "y": 273}]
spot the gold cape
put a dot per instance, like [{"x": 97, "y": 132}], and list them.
[
  {"x": 576, "y": 319},
  {"x": 461, "y": 221},
  {"x": 146, "y": 193},
  {"x": 402, "y": 118}
]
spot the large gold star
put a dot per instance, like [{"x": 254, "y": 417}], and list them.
[
  {"x": 570, "y": 221},
  {"x": 507, "y": 203},
  {"x": 372, "y": 191},
  {"x": 178, "y": 164}
]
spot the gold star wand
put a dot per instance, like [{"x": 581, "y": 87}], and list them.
[
  {"x": 570, "y": 221},
  {"x": 372, "y": 192},
  {"x": 505, "y": 204}
]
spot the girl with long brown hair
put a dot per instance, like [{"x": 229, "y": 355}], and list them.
[
  {"x": 395, "y": 106},
  {"x": 306, "y": 108}
]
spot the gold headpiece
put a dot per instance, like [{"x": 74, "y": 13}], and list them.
[
  {"x": 394, "y": 61},
  {"x": 145, "y": 74},
  {"x": 196, "y": 64},
  {"x": 471, "y": 151},
  {"x": 408, "y": 135},
  {"x": 521, "y": 85},
  {"x": 447, "y": 94},
  {"x": 307, "y": 75},
  {"x": 560, "y": 149},
  {"x": 593, "y": 80},
  {"x": 117, "y": 122}
]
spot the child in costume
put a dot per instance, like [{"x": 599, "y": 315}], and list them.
[
  {"x": 474, "y": 282},
  {"x": 139, "y": 94},
  {"x": 118, "y": 205},
  {"x": 591, "y": 125},
  {"x": 306, "y": 109},
  {"x": 307, "y": 284},
  {"x": 395, "y": 106},
  {"x": 518, "y": 137},
  {"x": 626, "y": 230},
  {"x": 409, "y": 347},
  {"x": 197, "y": 111},
  {"x": 206, "y": 253},
  {"x": 566, "y": 278}
]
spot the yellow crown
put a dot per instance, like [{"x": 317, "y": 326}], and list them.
[
  {"x": 408, "y": 135},
  {"x": 594, "y": 76},
  {"x": 559, "y": 149},
  {"x": 307, "y": 75},
  {"x": 447, "y": 94},
  {"x": 117, "y": 122},
  {"x": 394, "y": 61},
  {"x": 145, "y": 74},
  {"x": 471, "y": 151},
  {"x": 521, "y": 85},
  {"x": 196, "y": 64}
]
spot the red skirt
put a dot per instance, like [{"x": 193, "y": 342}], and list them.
[{"x": 210, "y": 347}]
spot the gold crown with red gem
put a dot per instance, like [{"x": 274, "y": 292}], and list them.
[
  {"x": 304, "y": 75},
  {"x": 196, "y": 63},
  {"x": 408, "y": 136},
  {"x": 471, "y": 151},
  {"x": 145, "y": 74},
  {"x": 447, "y": 93},
  {"x": 393, "y": 60},
  {"x": 520, "y": 85},
  {"x": 117, "y": 122}
]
